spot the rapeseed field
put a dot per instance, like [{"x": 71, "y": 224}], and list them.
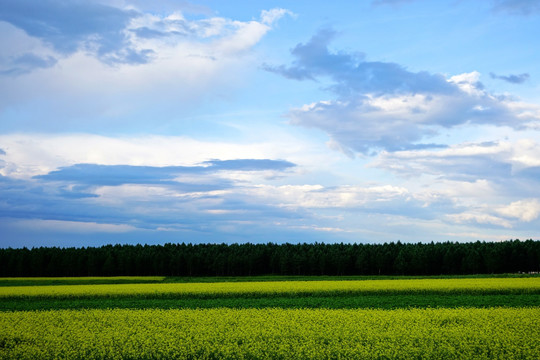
[{"x": 234, "y": 332}]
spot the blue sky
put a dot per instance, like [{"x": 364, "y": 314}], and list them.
[{"x": 129, "y": 121}]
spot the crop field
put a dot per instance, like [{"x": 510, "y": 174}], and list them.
[
  {"x": 276, "y": 288},
  {"x": 141, "y": 318},
  {"x": 369, "y": 293}
]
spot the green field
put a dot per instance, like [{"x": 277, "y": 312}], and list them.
[
  {"x": 89, "y": 280},
  {"x": 364, "y": 318}
]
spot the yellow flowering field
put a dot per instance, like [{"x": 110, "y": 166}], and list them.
[
  {"x": 180, "y": 328},
  {"x": 495, "y": 333},
  {"x": 277, "y": 288}
]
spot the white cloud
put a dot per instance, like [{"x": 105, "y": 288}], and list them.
[
  {"x": 478, "y": 179},
  {"x": 271, "y": 16},
  {"x": 500, "y": 159},
  {"x": 479, "y": 218},
  {"x": 468, "y": 236},
  {"x": 319, "y": 228},
  {"x": 524, "y": 210},
  {"x": 150, "y": 198},
  {"x": 526, "y": 153},
  {"x": 16, "y": 46},
  {"x": 317, "y": 196},
  {"x": 68, "y": 226},
  {"x": 400, "y": 121},
  {"x": 15, "y": 41},
  {"x": 28, "y": 155},
  {"x": 383, "y": 106},
  {"x": 478, "y": 189},
  {"x": 192, "y": 60},
  {"x": 467, "y": 82}
]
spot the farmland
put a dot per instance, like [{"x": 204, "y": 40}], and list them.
[
  {"x": 272, "y": 333},
  {"x": 365, "y": 293},
  {"x": 143, "y": 318}
]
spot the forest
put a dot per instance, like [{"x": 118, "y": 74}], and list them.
[{"x": 444, "y": 258}]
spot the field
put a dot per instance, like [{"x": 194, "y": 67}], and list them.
[{"x": 364, "y": 318}]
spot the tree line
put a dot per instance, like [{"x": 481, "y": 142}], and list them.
[{"x": 279, "y": 259}]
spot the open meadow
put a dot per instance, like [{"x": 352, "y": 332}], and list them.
[{"x": 363, "y": 318}]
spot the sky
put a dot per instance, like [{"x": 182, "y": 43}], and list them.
[{"x": 131, "y": 121}]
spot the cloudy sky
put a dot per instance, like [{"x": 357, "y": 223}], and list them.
[{"x": 132, "y": 121}]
